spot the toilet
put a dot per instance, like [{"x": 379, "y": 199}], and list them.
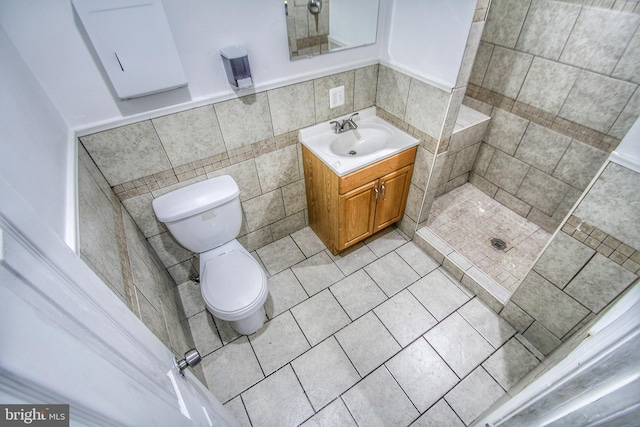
[{"x": 205, "y": 218}]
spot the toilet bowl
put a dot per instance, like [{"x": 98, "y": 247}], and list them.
[
  {"x": 234, "y": 287},
  {"x": 206, "y": 218}
]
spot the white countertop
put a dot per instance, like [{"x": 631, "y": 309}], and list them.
[{"x": 318, "y": 139}]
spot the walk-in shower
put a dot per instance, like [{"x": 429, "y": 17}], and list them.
[{"x": 560, "y": 83}]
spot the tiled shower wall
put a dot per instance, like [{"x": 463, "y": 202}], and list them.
[
  {"x": 592, "y": 259},
  {"x": 560, "y": 80},
  {"x": 115, "y": 249}
]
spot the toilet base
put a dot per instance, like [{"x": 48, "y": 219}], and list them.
[{"x": 251, "y": 324}]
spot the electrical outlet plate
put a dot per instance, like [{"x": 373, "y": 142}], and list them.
[{"x": 336, "y": 97}]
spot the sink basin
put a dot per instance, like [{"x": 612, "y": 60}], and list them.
[
  {"x": 366, "y": 139},
  {"x": 373, "y": 140}
]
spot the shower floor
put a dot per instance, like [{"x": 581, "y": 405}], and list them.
[{"x": 467, "y": 219}]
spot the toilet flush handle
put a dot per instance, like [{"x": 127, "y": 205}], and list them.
[{"x": 191, "y": 358}]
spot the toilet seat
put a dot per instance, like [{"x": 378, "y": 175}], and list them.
[{"x": 233, "y": 284}]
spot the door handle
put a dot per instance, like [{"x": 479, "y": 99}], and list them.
[
  {"x": 382, "y": 190},
  {"x": 375, "y": 193}
]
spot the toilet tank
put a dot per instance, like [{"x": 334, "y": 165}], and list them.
[{"x": 204, "y": 215}]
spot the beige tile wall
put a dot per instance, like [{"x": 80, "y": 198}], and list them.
[
  {"x": 462, "y": 152},
  {"x": 252, "y": 138},
  {"x": 588, "y": 264},
  {"x": 403, "y": 100},
  {"x": 560, "y": 80},
  {"x": 113, "y": 246}
]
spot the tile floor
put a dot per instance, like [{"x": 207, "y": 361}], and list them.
[
  {"x": 467, "y": 219},
  {"x": 379, "y": 335}
]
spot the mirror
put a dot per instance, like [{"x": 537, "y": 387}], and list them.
[{"x": 315, "y": 27}]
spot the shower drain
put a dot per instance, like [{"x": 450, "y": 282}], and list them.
[{"x": 498, "y": 244}]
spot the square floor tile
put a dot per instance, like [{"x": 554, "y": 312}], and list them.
[
  {"x": 335, "y": 414},
  {"x": 284, "y": 292},
  {"x": 405, "y": 317},
  {"x": 204, "y": 332},
  {"x": 238, "y": 410},
  {"x": 367, "y": 343},
  {"x": 438, "y": 294},
  {"x": 278, "y": 342},
  {"x": 320, "y": 316},
  {"x": 357, "y": 294},
  {"x": 353, "y": 258},
  {"x": 461, "y": 346},
  {"x": 473, "y": 395},
  {"x": 277, "y": 401},
  {"x": 308, "y": 242},
  {"x": 510, "y": 363},
  {"x": 491, "y": 326},
  {"x": 422, "y": 263},
  {"x": 527, "y": 344},
  {"x": 325, "y": 372},
  {"x": 439, "y": 414},
  {"x": 385, "y": 241},
  {"x": 317, "y": 273},
  {"x": 378, "y": 400},
  {"x": 231, "y": 369},
  {"x": 391, "y": 273},
  {"x": 280, "y": 255},
  {"x": 419, "y": 365},
  {"x": 227, "y": 333}
]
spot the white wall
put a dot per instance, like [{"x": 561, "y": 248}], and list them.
[
  {"x": 34, "y": 140},
  {"x": 349, "y": 21},
  {"x": 427, "y": 38},
  {"x": 46, "y": 34},
  {"x": 627, "y": 153}
]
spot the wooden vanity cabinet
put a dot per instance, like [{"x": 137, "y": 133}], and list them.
[{"x": 346, "y": 210}]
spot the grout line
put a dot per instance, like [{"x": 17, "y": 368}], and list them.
[
  {"x": 450, "y": 407},
  {"x": 302, "y": 387},
  {"x": 524, "y": 21},
  {"x": 403, "y": 390},
  {"x": 245, "y": 409}
]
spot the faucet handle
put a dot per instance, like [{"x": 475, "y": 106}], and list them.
[
  {"x": 350, "y": 122},
  {"x": 338, "y": 127}
]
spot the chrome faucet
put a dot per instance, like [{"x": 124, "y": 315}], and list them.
[{"x": 346, "y": 124}]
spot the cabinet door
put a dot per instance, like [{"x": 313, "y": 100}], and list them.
[
  {"x": 357, "y": 212},
  {"x": 393, "y": 191}
]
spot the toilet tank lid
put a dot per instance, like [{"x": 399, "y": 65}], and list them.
[{"x": 195, "y": 198}]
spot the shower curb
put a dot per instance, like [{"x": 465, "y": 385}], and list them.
[{"x": 470, "y": 276}]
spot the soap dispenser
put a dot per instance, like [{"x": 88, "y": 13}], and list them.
[{"x": 236, "y": 65}]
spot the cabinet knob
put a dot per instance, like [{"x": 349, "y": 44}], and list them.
[
  {"x": 382, "y": 190},
  {"x": 375, "y": 193}
]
